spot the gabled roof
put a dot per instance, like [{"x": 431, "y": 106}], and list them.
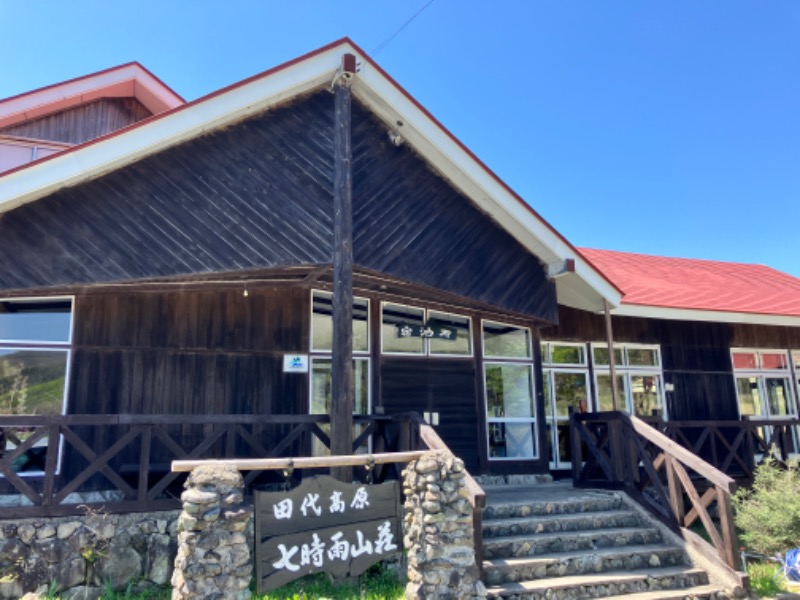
[
  {"x": 580, "y": 285},
  {"x": 700, "y": 290},
  {"x": 130, "y": 80}
]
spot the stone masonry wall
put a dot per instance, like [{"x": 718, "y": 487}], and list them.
[
  {"x": 438, "y": 530},
  {"x": 214, "y": 537},
  {"x": 80, "y": 555}
]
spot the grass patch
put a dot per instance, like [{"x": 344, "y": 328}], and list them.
[
  {"x": 376, "y": 584},
  {"x": 766, "y": 578}
]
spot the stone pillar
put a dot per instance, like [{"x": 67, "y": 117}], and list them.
[
  {"x": 438, "y": 530},
  {"x": 213, "y": 560}
]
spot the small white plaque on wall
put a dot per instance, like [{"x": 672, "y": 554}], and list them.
[{"x": 295, "y": 363}]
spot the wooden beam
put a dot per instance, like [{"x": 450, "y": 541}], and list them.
[
  {"x": 313, "y": 462},
  {"x": 612, "y": 367},
  {"x": 342, "y": 390}
]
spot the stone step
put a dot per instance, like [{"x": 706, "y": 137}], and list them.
[
  {"x": 597, "y": 585},
  {"x": 702, "y": 591},
  {"x": 528, "y": 545},
  {"x": 560, "y": 564},
  {"x": 566, "y": 522},
  {"x": 498, "y": 508}
]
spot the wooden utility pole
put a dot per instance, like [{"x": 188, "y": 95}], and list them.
[{"x": 342, "y": 389}]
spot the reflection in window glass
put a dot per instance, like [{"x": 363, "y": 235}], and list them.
[
  {"x": 32, "y": 381},
  {"x": 322, "y": 323},
  {"x": 642, "y": 357},
  {"x": 321, "y": 395},
  {"x": 506, "y": 341},
  {"x": 601, "y": 356},
  {"x": 35, "y": 321},
  {"x": 774, "y": 361},
  {"x": 604, "y": 397},
  {"x": 461, "y": 345},
  {"x": 778, "y": 396},
  {"x": 395, "y": 315},
  {"x": 745, "y": 360},
  {"x": 570, "y": 391},
  {"x": 645, "y": 395},
  {"x": 509, "y": 390},
  {"x": 749, "y": 398},
  {"x": 567, "y": 355},
  {"x": 511, "y": 440}
]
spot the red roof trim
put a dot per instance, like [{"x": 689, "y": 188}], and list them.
[{"x": 133, "y": 63}]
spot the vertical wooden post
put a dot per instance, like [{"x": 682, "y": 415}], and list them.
[
  {"x": 342, "y": 390},
  {"x": 612, "y": 367},
  {"x": 726, "y": 521}
]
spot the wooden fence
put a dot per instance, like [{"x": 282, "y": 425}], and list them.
[{"x": 130, "y": 456}]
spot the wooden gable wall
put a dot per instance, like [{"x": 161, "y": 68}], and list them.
[
  {"x": 254, "y": 195},
  {"x": 410, "y": 223},
  {"x": 258, "y": 195},
  {"x": 82, "y": 123}
]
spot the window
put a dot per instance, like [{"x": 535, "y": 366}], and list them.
[
  {"x": 321, "y": 364},
  {"x": 35, "y": 336},
  {"x": 639, "y": 378},
  {"x": 510, "y": 398},
  {"x": 764, "y": 386},
  {"x": 410, "y": 330},
  {"x": 566, "y": 385}
]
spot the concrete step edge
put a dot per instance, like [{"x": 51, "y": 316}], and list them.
[
  {"x": 604, "y": 578},
  {"x": 571, "y": 555}
]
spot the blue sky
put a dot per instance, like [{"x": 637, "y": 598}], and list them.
[{"x": 668, "y": 128}]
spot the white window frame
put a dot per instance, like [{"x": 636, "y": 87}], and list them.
[
  {"x": 627, "y": 371},
  {"x": 549, "y": 370},
  {"x": 426, "y": 348},
  {"x": 532, "y": 421},
  {"x": 313, "y": 350},
  {"x": 46, "y": 346},
  {"x": 761, "y": 375}
]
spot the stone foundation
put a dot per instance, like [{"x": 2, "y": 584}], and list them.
[
  {"x": 438, "y": 524},
  {"x": 80, "y": 555}
]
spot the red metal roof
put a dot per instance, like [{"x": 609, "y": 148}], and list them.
[{"x": 694, "y": 284}]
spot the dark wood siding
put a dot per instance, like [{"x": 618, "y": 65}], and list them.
[
  {"x": 446, "y": 386},
  {"x": 696, "y": 355},
  {"x": 83, "y": 123},
  {"x": 410, "y": 223},
  {"x": 173, "y": 352},
  {"x": 255, "y": 195}
]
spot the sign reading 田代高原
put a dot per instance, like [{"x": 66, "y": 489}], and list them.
[{"x": 324, "y": 525}]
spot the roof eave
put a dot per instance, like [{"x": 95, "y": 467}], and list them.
[{"x": 689, "y": 314}]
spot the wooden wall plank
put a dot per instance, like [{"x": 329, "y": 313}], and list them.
[{"x": 82, "y": 123}]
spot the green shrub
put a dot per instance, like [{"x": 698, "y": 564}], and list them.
[
  {"x": 768, "y": 514},
  {"x": 766, "y": 578}
]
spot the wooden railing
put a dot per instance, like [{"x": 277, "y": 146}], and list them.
[
  {"x": 127, "y": 458},
  {"x": 616, "y": 450},
  {"x": 734, "y": 447}
]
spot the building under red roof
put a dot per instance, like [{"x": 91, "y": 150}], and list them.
[{"x": 698, "y": 285}]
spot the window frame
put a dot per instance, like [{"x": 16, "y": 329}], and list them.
[
  {"x": 426, "y": 347},
  {"x": 46, "y": 346},
  {"x": 533, "y": 421},
  {"x": 313, "y": 350},
  {"x": 761, "y": 375},
  {"x": 627, "y": 371}
]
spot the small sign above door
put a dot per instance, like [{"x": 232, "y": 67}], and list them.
[{"x": 432, "y": 331}]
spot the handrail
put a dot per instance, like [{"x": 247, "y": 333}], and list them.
[
  {"x": 312, "y": 462},
  {"x": 625, "y": 451}
]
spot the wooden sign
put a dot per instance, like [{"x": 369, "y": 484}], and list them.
[
  {"x": 431, "y": 331},
  {"x": 324, "y": 525}
]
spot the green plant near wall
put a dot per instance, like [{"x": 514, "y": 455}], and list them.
[{"x": 768, "y": 514}]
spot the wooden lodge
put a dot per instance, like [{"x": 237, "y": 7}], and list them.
[{"x": 168, "y": 277}]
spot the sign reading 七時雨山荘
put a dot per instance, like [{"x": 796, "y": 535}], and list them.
[{"x": 324, "y": 525}]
